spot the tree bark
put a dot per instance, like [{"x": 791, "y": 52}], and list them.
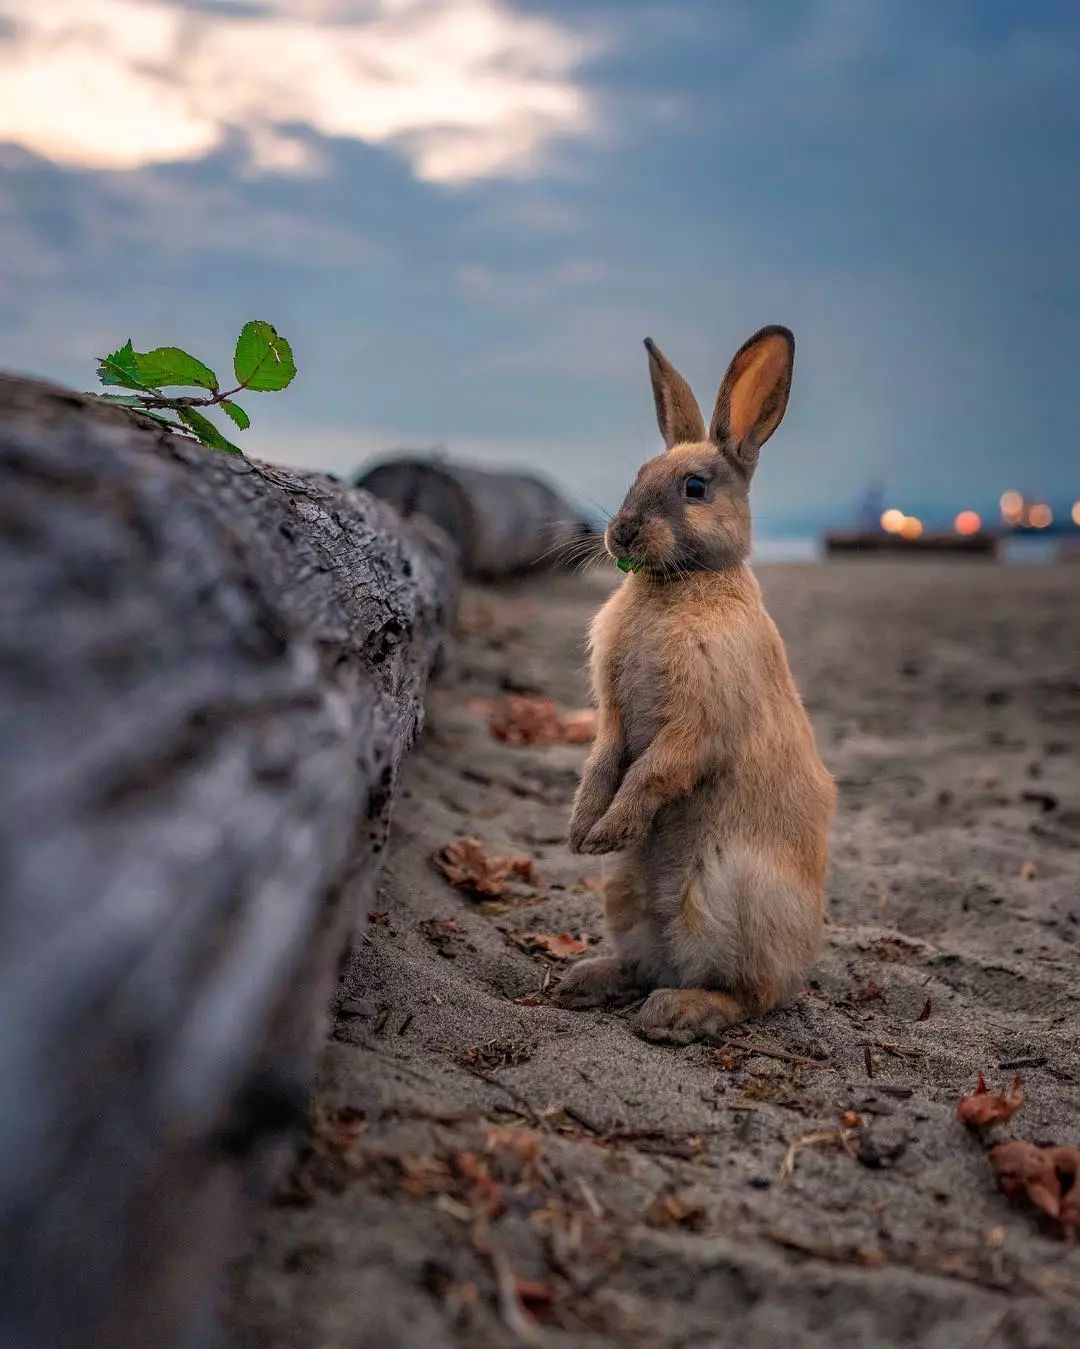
[
  {"x": 503, "y": 522},
  {"x": 210, "y": 670}
]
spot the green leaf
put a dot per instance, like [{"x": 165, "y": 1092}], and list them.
[
  {"x": 121, "y": 368},
  {"x": 236, "y": 412},
  {"x": 172, "y": 366},
  {"x": 263, "y": 360},
  {"x": 206, "y": 431},
  {"x": 160, "y": 416},
  {"x": 129, "y": 400}
]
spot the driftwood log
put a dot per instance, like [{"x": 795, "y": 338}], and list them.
[
  {"x": 209, "y": 673},
  {"x": 503, "y": 522}
]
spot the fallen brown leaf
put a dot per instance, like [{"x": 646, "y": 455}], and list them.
[
  {"x": 520, "y": 1141},
  {"x": 515, "y": 1156},
  {"x": 579, "y": 727},
  {"x": 535, "y": 1297},
  {"x": 483, "y": 1192},
  {"x": 561, "y": 945},
  {"x": 494, "y": 1054},
  {"x": 670, "y": 1210},
  {"x": 982, "y": 1108},
  {"x": 850, "y": 1119},
  {"x": 446, "y": 935},
  {"x": 522, "y": 720},
  {"x": 465, "y": 864},
  {"x": 1046, "y": 1176}
]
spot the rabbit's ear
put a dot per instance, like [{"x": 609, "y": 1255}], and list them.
[
  {"x": 677, "y": 410},
  {"x": 753, "y": 395}
]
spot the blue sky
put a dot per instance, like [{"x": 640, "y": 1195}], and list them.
[{"x": 466, "y": 214}]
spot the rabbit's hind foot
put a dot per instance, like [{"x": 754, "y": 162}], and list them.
[
  {"x": 596, "y": 981},
  {"x": 679, "y": 1015}
]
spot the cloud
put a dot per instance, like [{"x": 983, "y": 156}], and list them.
[{"x": 463, "y": 89}]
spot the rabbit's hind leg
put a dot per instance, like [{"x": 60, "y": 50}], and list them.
[
  {"x": 623, "y": 975},
  {"x": 741, "y": 942}
]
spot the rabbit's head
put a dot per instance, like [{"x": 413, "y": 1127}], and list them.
[{"x": 688, "y": 509}]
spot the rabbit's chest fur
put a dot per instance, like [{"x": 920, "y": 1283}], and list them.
[{"x": 661, "y": 655}]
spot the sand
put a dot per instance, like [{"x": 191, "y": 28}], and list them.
[{"x": 487, "y": 1172}]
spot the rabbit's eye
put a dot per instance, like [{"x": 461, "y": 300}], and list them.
[{"x": 695, "y": 488}]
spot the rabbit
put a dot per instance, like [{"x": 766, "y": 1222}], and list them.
[{"x": 704, "y": 777}]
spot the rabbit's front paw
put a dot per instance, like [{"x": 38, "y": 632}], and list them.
[
  {"x": 594, "y": 796},
  {"x": 617, "y": 830},
  {"x": 582, "y": 822}
]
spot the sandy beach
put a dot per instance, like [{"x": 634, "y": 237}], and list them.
[{"x": 485, "y": 1169}]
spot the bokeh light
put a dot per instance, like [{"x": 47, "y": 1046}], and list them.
[
  {"x": 967, "y": 522},
  {"x": 911, "y": 527},
  {"x": 1040, "y": 516},
  {"x": 1012, "y": 506},
  {"x": 892, "y": 520}
]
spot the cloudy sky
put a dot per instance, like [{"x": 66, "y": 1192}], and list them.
[{"x": 466, "y": 214}]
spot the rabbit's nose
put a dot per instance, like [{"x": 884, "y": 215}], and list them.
[{"x": 624, "y": 531}]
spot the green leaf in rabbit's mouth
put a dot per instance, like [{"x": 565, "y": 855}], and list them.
[{"x": 628, "y": 563}]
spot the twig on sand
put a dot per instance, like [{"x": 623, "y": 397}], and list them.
[
  {"x": 840, "y": 1137},
  {"x": 868, "y": 1059},
  {"x": 897, "y": 1051},
  {"x": 840, "y": 1255},
  {"x": 591, "y": 1201},
  {"x": 510, "y": 1306},
  {"x": 766, "y": 1051},
  {"x": 523, "y": 1101}
]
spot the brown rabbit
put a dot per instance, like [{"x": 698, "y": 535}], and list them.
[{"x": 704, "y": 777}]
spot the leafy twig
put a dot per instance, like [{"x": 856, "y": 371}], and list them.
[{"x": 262, "y": 363}]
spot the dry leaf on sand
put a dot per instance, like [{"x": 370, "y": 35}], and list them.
[
  {"x": 671, "y": 1210},
  {"x": 561, "y": 945},
  {"x": 579, "y": 727},
  {"x": 522, "y": 720},
  {"x": 982, "y": 1107},
  {"x": 465, "y": 864},
  {"x": 1046, "y": 1176},
  {"x": 535, "y": 1297}
]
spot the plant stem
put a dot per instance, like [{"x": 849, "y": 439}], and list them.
[{"x": 151, "y": 401}]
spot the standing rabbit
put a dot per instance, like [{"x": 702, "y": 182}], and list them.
[{"x": 705, "y": 777}]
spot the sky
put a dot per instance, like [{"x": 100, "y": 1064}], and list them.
[{"x": 467, "y": 214}]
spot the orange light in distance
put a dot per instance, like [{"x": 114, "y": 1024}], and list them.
[
  {"x": 1040, "y": 516},
  {"x": 1012, "y": 506},
  {"x": 911, "y": 527},
  {"x": 1076, "y": 513},
  {"x": 967, "y": 522},
  {"x": 892, "y": 520}
]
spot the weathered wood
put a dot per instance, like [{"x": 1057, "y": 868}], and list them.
[
  {"x": 503, "y": 522},
  {"x": 210, "y": 670}
]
